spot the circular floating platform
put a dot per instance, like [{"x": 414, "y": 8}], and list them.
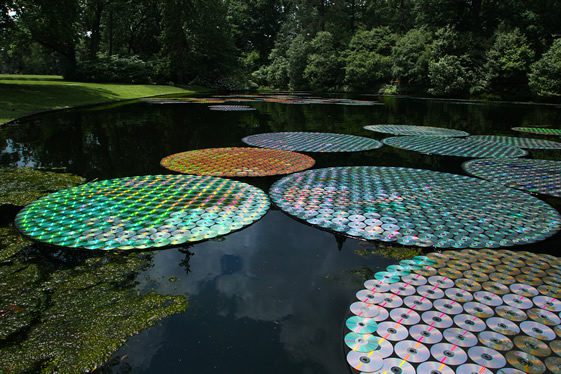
[
  {"x": 527, "y": 143},
  {"x": 454, "y": 147},
  {"x": 142, "y": 212},
  {"x": 538, "y": 176},
  {"x": 231, "y": 108},
  {"x": 487, "y": 311},
  {"x": 538, "y": 130},
  {"x": 237, "y": 162},
  {"x": 312, "y": 142},
  {"x": 416, "y": 130},
  {"x": 415, "y": 207}
]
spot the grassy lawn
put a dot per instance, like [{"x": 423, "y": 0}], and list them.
[{"x": 21, "y": 95}]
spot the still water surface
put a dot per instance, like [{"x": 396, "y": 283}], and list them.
[{"x": 273, "y": 297}]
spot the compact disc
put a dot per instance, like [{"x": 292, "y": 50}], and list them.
[
  {"x": 370, "y": 297},
  {"x": 471, "y": 369},
  {"x": 488, "y": 298},
  {"x": 550, "y": 291},
  {"x": 475, "y": 276},
  {"x": 405, "y": 316},
  {"x": 412, "y": 351},
  {"x": 448, "y": 354},
  {"x": 503, "y": 326},
  {"x": 487, "y": 357},
  {"x": 448, "y": 306},
  {"x": 432, "y": 292},
  {"x": 425, "y": 271},
  {"x": 537, "y": 330},
  {"x": 402, "y": 289},
  {"x": 460, "y": 337},
  {"x": 525, "y": 362},
  {"x": 556, "y": 347},
  {"x": 365, "y": 310},
  {"x": 437, "y": 319},
  {"x": 397, "y": 365},
  {"x": 425, "y": 334},
  {"x": 392, "y": 331},
  {"x": 548, "y": 303},
  {"x": 518, "y": 301},
  {"x": 361, "y": 342},
  {"x": 418, "y": 303},
  {"x": 495, "y": 287},
  {"x": 433, "y": 367},
  {"x": 450, "y": 273},
  {"x": 544, "y": 317},
  {"x": 478, "y": 310},
  {"x": 441, "y": 282},
  {"x": 524, "y": 290},
  {"x": 495, "y": 340},
  {"x": 414, "y": 279},
  {"x": 553, "y": 364},
  {"x": 469, "y": 322},
  {"x": 532, "y": 346},
  {"x": 468, "y": 284},
  {"x": 377, "y": 286},
  {"x": 361, "y": 325},
  {"x": 390, "y": 300},
  {"x": 502, "y": 278},
  {"x": 458, "y": 295},
  {"x": 387, "y": 276},
  {"x": 510, "y": 313},
  {"x": 366, "y": 362}
]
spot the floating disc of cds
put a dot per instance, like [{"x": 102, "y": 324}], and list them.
[
  {"x": 416, "y": 130},
  {"x": 487, "y": 337},
  {"x": 434, "y": 145},
  {"x": 538, "y": 130},
  {"x": 526, "y": 143},
  {"x": 312, "y": 142},
  {"x": 415, "y": 207},
  {"x": 231, "y": 108},
  {"x": 237, "y": 162},
  {"x": 539, "y": 176},
  {"x": 142, "y": 212}
]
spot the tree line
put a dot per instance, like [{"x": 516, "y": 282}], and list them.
[{"x": 449, "y": 48}]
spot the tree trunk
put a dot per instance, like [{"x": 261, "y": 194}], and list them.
[{"x": 95, "y": 38}]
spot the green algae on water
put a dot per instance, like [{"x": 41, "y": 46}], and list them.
[
  {"x": 387, "y": 251},
  {"x": 11, "y": 242}
]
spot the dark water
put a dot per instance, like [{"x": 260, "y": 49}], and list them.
[{"x": 271, "y": 298}]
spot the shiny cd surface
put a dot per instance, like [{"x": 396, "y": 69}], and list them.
[
  {"x": 414, "y": 279},
  {"x": 450, "y": 273},
  {"x": 405, "y": 316},
  {"x": 398, "y": 366},
  {"x": 396, "y": 129},
  {"x": 448, "y": 354},
  {"x": 441, "y": 282},
  {"x": 468, "y": 284},
  {"x": 312, "y": 142},
  {"x": 370, "y": 297},
  {"x": 433, "y": 367},
  {"x": 390, "y": 301},
  {"x": 366, "y": 362},
  {"x": 495, "y": 287},
  {"x": 478, "y": 309},
  {"x": 376, "y": 285},
  {"x": 402, "y": 289},
  {"x": 553, "y": 364},
  {"x": 412, "y": 351},
  {"x": 532, "y": 346},
  {"x": 495, "y": 340},
  {"x": 537, "y": 330},
  {"x": 544, "y": 317},
  {"x": 547, "y": 303},
  {"x": 472, "y": 369},
  {"x": 437, "y": 319},
  {"x": 518, "y": 301},
  {"x": 525, "y": 362},
  {"x": 488, "y": 298},
  {"x": 458, "y": 295},
  {"x": 392, "y": 331},
  {"x": 425, "y": 334},
  {"x": 502, "y": 278},
  {"x": 510, "y": 313},
  {"x": 365, "y": 310},
  {"x": 460, "y": 337},
  {"x": 361, "y": 342},
  {"x": 385, "y": 348},
  {"x": 524, "y": 290},
  {"x": 361, "y": 325},
  {"x": 448, "y": 306},
  {"x": 418, "y": 303},
  {"x": 487, "y": 357},
  {"x": 503, "y": 326},
  {"x": 469, "y": 322},
  {"x": 431, "y": 292}
]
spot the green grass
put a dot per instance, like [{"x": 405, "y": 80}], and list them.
[{"x": 21, "y": 95}]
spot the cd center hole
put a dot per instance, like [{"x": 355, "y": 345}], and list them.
[
  {"x": 487, "y": 357},
  {"x": 448, "y": 354},
  {"x": 392, "y": 331},
  {"x": 365, "y": 360},
  {"x": 438, "y": 319},
  {"x": 539, "y": 331}
]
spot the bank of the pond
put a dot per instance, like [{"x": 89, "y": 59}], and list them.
[{"x": 22, "y": 95}]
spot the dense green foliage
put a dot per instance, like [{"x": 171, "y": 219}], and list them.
[{"x": 441, "y": 47}]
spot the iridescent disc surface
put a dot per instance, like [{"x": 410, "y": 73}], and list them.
[
  {"x": 237, "y": 162},
  {"x": 539, "y": 176},
  {"x": 526, "y": 143},
  {"x": 415, "y": 207},
  {"x": 538, "y": 130},
  {"x": 415, "y": 130},
  {"x": 453, "y": 147},
  {"x": 312, "y": 142},
  {"x": 142, "y": 212},
  {"x": 231, "y": 108}
]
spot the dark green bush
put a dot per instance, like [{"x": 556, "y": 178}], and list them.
[{"x": 116, "y": 69}]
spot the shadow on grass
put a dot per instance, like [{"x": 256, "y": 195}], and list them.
[{"x": 10, "y": 77}]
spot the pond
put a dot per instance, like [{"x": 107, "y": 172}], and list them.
[{"x": 272, "y": 297}]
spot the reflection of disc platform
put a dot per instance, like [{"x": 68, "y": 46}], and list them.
[
  {"x": 526, "y": 143},
  {"x": 432, "y": 145},
  {"x": 538, "y": 176},
  {"x": 488, "y": 335},
  {"x": 142, "y": 212},
  {"x": 416, "y": 130},
  {"x": 312, "y": 142},
  {"x": 237, "y": 162},
  {"x": 416, "y": 207},
  {"x": 538, "y": 130}
]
